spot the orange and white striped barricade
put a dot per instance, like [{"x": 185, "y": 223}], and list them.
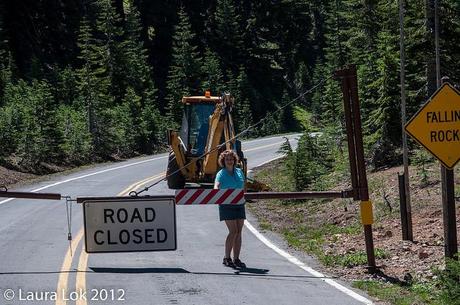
[{"x": 210, "y": 196}]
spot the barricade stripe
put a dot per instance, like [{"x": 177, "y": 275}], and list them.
[
  {"x": 180, "y": 194},
  {"x": 224, "y": 196},
  {"x": 211, "y": 194},
  {"x": 238, "y": 197},
  {"x": 184, "y": 199},
  {"x": 200, "y": 199},
  {"x": 232, "y": 197},
  {"x": 194, "y": 196}
]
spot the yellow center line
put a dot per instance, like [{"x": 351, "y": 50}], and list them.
[
  {"x": 137, "y": 184},
  {"x": 83, "y": 259},
  {"x": 81, "y": 275},
  {"x": 65, "y": 269}
]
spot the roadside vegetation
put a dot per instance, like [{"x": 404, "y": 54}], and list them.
[{"x": 330, "y": 230}]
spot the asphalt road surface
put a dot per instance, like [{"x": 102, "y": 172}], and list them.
[{"x": 37, "y": 266}]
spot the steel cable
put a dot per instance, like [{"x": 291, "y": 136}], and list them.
[{"x": 134, "y": 193}]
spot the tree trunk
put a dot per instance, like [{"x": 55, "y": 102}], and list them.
[{"x": 430, "y": 55}]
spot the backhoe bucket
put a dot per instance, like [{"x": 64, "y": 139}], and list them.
[{"x": 256, "y": 186}]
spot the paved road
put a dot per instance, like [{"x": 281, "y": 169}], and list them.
[{"x": 35, "y": 261}]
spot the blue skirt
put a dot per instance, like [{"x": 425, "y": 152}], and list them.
[{"x": 232, "y": 212}]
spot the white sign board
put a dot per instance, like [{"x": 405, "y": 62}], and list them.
[{"x": 130, "y": 225}]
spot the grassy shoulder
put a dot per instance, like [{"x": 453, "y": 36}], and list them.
[{"x": 330, "y": 230}]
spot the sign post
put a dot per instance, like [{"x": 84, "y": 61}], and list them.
[
  {"x": 436, "y": 126},
  {"x": 349, "y": 84},
  {"x": 130, "y": 225}
]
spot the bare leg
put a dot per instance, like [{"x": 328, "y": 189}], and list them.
[
  {"x": 232, "y": 233},
  {"x": 237, "y": 244}
]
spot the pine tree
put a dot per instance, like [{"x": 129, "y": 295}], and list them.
[
  {"x": 30, "y": 110},
  {"x": 139, "y": 77},
  {"x": 110, "y": 37},
  {"x": 383, "y": 122},
  {"x": 327, "y": 100},
  {"x": 93, "y": 83},
  {"x": 66, "y": 87},
  {"x": 336, "y": 50},
  {"x": 415, "y": 55},
  {"x": 430, "y": 59},
  {"x": 242, "y": 100},
  {"x": 227, "y": 35},
  {"x": 76, "y": 145},
  {"x": 184, "y": 72},
  {"x": 123, "y": 126},
  {"x": 212, "y": 73},
  {"x": 5, "y": 70},
  {"x": 449, "y": 34},
  {"x": 7, "y": 129}
]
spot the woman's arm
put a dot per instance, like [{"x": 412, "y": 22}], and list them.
[{"x": 217, "y": 179}]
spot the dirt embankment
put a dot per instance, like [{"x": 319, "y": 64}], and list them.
[
  {"x": 10, "y": 177},
  {"x": 404, "y": 260}
]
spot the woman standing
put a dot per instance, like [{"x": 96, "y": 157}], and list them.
[{"x": 231, "y": 177}]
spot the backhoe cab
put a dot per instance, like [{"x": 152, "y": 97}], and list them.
[{"x": 207, "y": 130}]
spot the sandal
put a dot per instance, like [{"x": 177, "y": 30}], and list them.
[
  {"x": 228, "y": 262},
  {"x": 238, "y": 263}
]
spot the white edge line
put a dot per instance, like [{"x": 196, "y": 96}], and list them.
[
  {"x": 108, "y": 170},
  {"x": 297, "y": 262},
  {"x": 303, "y": 266},
  {"x": 273, "y": 137},
  {"x": 88, "y": 175}
]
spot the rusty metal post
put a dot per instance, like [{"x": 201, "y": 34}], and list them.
[
  {"x": 403, "y": 206},
  {"x": 361, "y": 166},
  {"x": 350, "y": 132},
  {"x": 298, "y": 195}
]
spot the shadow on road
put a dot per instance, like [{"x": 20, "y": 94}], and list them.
[
  {"x": 255, "y": 272},
  {"x": 171, "y": 270},
  {"x": 250, "y": 272},
  {"x": 138, "y": 270}
]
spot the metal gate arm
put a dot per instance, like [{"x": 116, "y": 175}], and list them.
[{"x": 29, "y": 195}]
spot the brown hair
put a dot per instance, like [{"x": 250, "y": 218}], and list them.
[{"x": 226, "y": 153}]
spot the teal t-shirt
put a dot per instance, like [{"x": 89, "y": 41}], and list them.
[{"x": 227, "y": 181}]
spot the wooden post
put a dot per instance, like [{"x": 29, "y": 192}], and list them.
[
  {"x": 409, "y": 235},
  {"x": 448, "y": 208}
]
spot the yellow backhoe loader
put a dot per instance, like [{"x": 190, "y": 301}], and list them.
[{"x": 207, "y": 130}]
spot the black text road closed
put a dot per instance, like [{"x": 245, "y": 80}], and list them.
[{"x": 129, "y": 225}]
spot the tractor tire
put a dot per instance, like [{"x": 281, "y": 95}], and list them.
[{"x": 176, "y": 180}]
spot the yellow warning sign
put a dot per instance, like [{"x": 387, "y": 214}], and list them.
[{"x": 437, "y": 125}]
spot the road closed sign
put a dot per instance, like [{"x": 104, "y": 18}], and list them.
[
  {"x": 436, "y": 125},
  {"x": 130, "y": 225}
]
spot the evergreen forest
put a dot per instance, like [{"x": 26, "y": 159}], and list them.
[{"x": 91, "y": 80}]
